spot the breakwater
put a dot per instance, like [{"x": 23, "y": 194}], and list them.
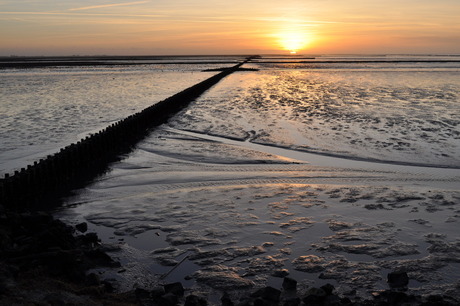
[{"x": 45, "y": 182}]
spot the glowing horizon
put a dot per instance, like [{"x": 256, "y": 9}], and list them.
[{"x": 51, "y": 27}]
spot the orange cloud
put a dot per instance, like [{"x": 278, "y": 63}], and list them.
[{"x": 107, "y": 5}]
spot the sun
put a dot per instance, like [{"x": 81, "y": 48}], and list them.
[{"x": 293, "y": 41}]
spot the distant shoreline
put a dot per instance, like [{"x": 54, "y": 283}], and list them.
[
  {"x": 81, "y": 64},
  {"x": 76, "y": 61}
]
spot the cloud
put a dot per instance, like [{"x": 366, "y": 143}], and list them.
[
  {"x": 83, "y": 14},
  {"x": 107, "y": 5}
]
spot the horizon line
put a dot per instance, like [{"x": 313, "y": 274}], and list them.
[{"x": 231, "y": 54}]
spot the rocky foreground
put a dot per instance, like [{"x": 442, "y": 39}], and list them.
[{"x": 46, "y": 262}]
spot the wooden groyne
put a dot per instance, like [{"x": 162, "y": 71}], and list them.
[{"x": 45, "y": 182}]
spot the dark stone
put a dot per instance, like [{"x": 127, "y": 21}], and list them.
[
  {"x": 193, "y": 300},
  {"x": 100, "y": 258},
  {"x": 54, "y": 299},
  {"x": 397, "y": 298},
  {"x": 328, "y": 289},
  {"x": 314, "y": 296},
  {"x": 245, "y": 302},
  {"x": 93, "y": 280},
  {"x": 6, "y": 283},
  {"x": 280, "y": 273},
  {"x": 313, "y": 300},
  {"x": 225, "y": 300},
  {"x": 108, "y": 286},
  {"x": 397, "y": 279},
  {"x": 292, "y": 302},
  {"x": 289, "y": 284},
  {"x": 351, "y": 292},
  {"x": 174, "y": 288},
  {"x": 434, "y": 298},
  {"x": 345, "y": 301},
  {"x": 316, "y": 292},
  {"x": 332, "y": 300},
  {"x": 168, "y": 299},
  {"x": 264, "y": 302},
  {"x": 37, "y": 220},
  {"x": 268, "y": 293},
  {"x": 90, "y": 238},
  {"x": 439, "y": 300},
  {"x": 141, "y": 294},
  {"x": 157, "y": 292},
  {"x": 82, "y": 227},
  {"x": 392, "y": 297},
  {"x": 61, "y": 263}
]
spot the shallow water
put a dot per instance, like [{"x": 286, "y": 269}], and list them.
[
  {"x": 242, "y": 217},
  {"x": 393, "y": 116},
  {"x": 44, "y": 109},
  {"x": 337, "y": 174}
]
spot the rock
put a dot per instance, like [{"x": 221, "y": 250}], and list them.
[
  {"x": 316, "y": 292},
  {"x": 108, "y": 287},
  {"x": 61, "y": 263},
  {"x": 292, "y": 302},
  {"x": 439, "y": 300},
  {"x": 93, "y": 279},
  {"x": 54, "y": 299},
  {"x": 174, "y": 288},
  {"x": 82, "y": 227},
  {"x": 264, "y": 302},
  {"x": 5, "y": 240},
  {"x": 346, "y": 301},
  {"x": 89, "y": 238},
  {"x": 397, "y": 279},
  {"x": 193, "y": 300},
  {"x": 225, "y": 300},
  {"x": 245, "y": 302},
  {"x": 157, "y": 292},
  {"x": 268, "y": 293},
  {"x": 168, "y": 299},
  {"x": 332, "y": 300},
  {"x": 434, "y": 298},
  {"x": 37, "y": 220},
  {"x": 390, "y": 297},
  {"x": 289, "y": 284},
  {"x": 7, "y": 284},
  {"x": 328, "y": 288},
  {"x": 350, "y": 292},
  {"x": 314, "y": 296},
  {"x": 280, "y": 273},
  {"x": 141, "y": 294},
  {"x": 100, "y": 258}
]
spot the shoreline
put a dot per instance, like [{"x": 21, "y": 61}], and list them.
[{"x": 77, "y": 61}]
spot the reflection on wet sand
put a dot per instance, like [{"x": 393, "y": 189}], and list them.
[
  {"x": 324, "y": 175},
  {"x": 231, "y": 218}
]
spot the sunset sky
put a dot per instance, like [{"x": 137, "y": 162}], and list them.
[{"x": 117, "y": 27}]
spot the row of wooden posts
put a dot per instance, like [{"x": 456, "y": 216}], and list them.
[{"x": 44, "y": 183}]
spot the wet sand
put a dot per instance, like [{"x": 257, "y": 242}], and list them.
[
  {"x": 234, "y": 218},
  {"x": 337, "y": 177}
]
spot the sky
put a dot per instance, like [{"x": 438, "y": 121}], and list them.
[{"x": 180, "y": 27}]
